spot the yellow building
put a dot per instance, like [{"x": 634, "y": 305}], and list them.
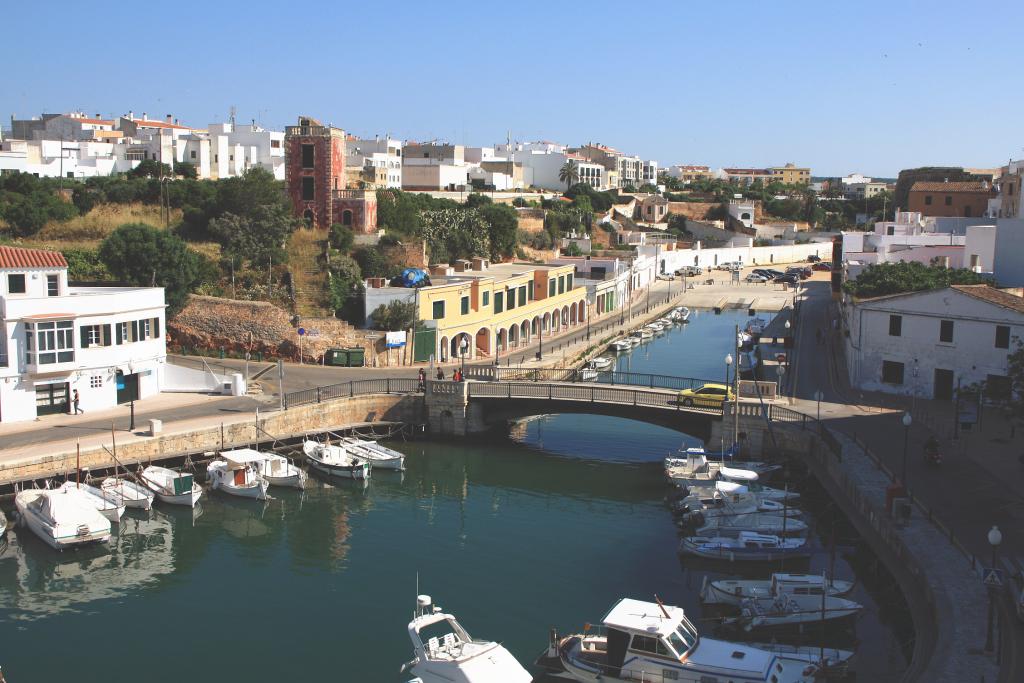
[
  {"x": 790, "y": 175},
  {"x": 492, "y": 309}
]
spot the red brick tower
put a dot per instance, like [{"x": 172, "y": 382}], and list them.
[{"x": 314, "y": 169}]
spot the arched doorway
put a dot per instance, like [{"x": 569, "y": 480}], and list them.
[
  {"x": 483, "y": 342},
  {"x": 524, "y": 331},
  {"x": 581, "y": 314},
  {"x": 546, "y": 323},
  {"x": 572, "y": 314},
  {"x": 346, "y": 217},
  {"x": 565, "y": 316},
  {"x": 442, "y": 356},
  {"x": 535, "y": 326},
  {"x": 513, "y": 336},
  {"x": 456, "y": 346},
  {"x": 307, "y": 217},
  {"x": 501, "y": 343}
]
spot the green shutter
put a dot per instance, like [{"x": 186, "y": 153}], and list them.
[
  {"x": 522, "y": 295},
  {"x": 120, "y": 333},
  {"x": 465, "y": 305},
  {"x": 499, "y": 302},
  {"x": 105, "y": 335},
  {"x": 84, "y": 336},
  {"x": 438, "y": 310},
  {"x": 156, "y": 328},
  {"x": 551, "y": 287}
]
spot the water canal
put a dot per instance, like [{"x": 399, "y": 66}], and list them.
[{"x": 513, "y": 536}]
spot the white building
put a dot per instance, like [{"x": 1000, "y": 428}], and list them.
[
  {"x": 234, "y": 149},
  {"x": 542, "y": 168},
  {"x": 926, "y": 344},
  {"x": 105, "y": 342},
  {"x": 377, "y": 153}
]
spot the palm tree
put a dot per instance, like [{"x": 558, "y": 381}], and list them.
[{"x": 569, "y": 173}]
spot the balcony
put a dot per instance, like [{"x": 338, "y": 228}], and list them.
[{"x": 350, "y": 194}]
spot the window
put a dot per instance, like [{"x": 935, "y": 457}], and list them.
[
  {"x": 892, "y": 372},
  {"x": 949, "y": 200},
  {"x": 499, "y": 302},
  {"x": 54, "y": 342},
  {"x": 122, "y": 333},
  {"x": 967, "y": 212},
  {"x": 649, "y": 644},
  {"x": 946, "y": 331},
  {"x": 52, "y": 285},
  {"x": 522, "y": 295},
  {"x": 561, "y": 284},
  {"x": 96, "y": 381},
  {"x": 275, "y": 144},
  {"x": 891, "y": 230},
  {"x": 551, "y": 287},
  {"x": 927, "y": 200},
  {"x": 16, "y": 283},
  {"x": 568, "y": 280},
  {"x": 464, "y": 305},
  {"x": 193, "y": 154},
  {"x": 1002, "y": 336},
  {"x": 91, "y": 335},
  {"x": 895, "y": 325},
  {"x": 486, "y": 298},
  {"x": 307, "y": 156},
  {"x": 438, "y": 310},
  {"x": 308, "y": 189},
  {"x": 510, "y": 299}
]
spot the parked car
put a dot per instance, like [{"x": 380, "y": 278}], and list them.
[
  {"x": 813, "y": 259},
  {"x": 787, "y": 279},
  {"x": 821, "y": 265},
  {"x": 708, "y": 396},
  {"x": 730, "y": 265},
  {"x": 774, "y": 273},
  {"x": 802, "y": 273},
  {"x": 690, "y": 271},
  {"x": 763, "y": 272},
  {"x": 755, "y": 278}
]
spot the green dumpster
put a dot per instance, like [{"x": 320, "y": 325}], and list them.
[
  {"x": 355, "y": 357},
  {"x": 337, "y": 357}
]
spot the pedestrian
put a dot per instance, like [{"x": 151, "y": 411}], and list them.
[
  {"x": 423, "y": 379},
  {"x": 74, "y": 402},
  {"x": 440, "y": 374}
]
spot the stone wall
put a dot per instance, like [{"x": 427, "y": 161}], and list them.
[{"x": 530, "y": 220}]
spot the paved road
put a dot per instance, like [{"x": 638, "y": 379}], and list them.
[{"x": 966, "y": 498}]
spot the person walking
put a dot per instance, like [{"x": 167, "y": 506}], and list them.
[
  {"x": 440, "y": 374},
  {"x": 422, "y": 379},
  {"x": 74, "y": 402}
]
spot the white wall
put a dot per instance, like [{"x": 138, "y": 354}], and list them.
[
  {"x": 748, "y": 255},
  {"x": 1008, "y": 266}
]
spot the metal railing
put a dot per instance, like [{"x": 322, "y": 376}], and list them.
[
  {"x": 587, "y": 393},
  {"x": 362, "y": 387},
  {"x": 636, "y": 379}
]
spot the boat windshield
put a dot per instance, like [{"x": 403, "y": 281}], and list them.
[{"x": 683, "y": 639}]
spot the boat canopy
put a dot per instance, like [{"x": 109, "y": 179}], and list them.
[
  {"x": 240, "y": 458},
  {"x": 644, "y": 617}
]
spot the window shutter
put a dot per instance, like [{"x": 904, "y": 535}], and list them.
[
  {"x": 83, "y": 332},
  {"x": 135, "y": 331},
  {"x": 120, "y": 336},
  {"x": 105, "y": 335},
  {"x": 156, "y": 328}
]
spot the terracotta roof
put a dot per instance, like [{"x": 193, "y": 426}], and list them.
[
  {"x": 16, "y": 257},
  {"x": 747, "y": 171},
  {"x": 150, "y": 123},
  {"x": 101, "y": 122},
  {"x": 923, "y": 186},
  {"x": 992, "y": 296}
]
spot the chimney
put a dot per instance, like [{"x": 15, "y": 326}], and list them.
[
  {"x": 169, "y": 118},
  {"x": 144, "y": 116},
  {"x": 98, "y": 116},
  {"x": 131, "y": 115}
]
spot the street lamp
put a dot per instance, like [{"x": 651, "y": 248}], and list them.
[
  {"x": 817, "y": 397},
  {"x": 464, "y": 347},
  {"x": 906, "y": 441},
  {"x": 782, "y": 379},
  {"x": 728, "y": 362},
  {"x": 995, "y": 537}
]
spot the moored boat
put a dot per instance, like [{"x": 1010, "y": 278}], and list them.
[
  {"x": 276, "y": 469},
  {"x": 730, "y": 487},
  {"x": 600, "y": 363},
  {"x": 621, "y": 345},
  {"x": 746, "y": 546},
  {"x": 646, "y": 641},
  {"x": 173, "y": 488},
  {"x": 335, "y": 461},
  {"x": 734, "y": 525},
  {"x": 128, "y": 493},
  {"x": 60, "y": 519},
  {"x": 106, "y": 504},
  {"x": 785, "y": 611},
  {"x": 734, "y": 591},
  {"x": 827, "y": 660},
  {"x": 451, "y": 654},
  {"x": 235, "y": 472},
  {"x": 379, "y": 457},
  {"x": 684, "y": 313},
  {"x": 3, "y": 524}
]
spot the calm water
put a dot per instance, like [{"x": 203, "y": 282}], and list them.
[{"x": 512, "y": 536}]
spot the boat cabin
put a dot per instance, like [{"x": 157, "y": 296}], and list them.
[
  {"x": 798, "y": 584},
  {"x": 649, "y": 630},
  {"x": 752, "y": 539},
  {"x": 241, "y": 462}
]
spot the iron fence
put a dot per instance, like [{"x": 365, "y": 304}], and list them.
[
  {"x": 574, "y": 375},
  {"x": 362, "y": 387},
  {"x": 589, "y": 393}
]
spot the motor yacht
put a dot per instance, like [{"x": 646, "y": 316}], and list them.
[
  {"x": 734, "y": 591},
  {"x": 61, "y": 519}
]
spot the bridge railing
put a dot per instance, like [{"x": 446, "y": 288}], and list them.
[
  {"x": 614, "y": 377},
  {"x": 590, "y": 393},
  {"x": 362, "y": 387}
]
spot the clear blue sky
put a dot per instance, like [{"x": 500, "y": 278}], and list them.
[{"x": 861, "y": 86}]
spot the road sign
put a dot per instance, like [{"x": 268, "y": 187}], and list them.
[
  {"x": 302, "y": 331},
  {"x": 992, "y": 577}
]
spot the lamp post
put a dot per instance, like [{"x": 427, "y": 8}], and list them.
[
  {"x": 540, "y": 346},
  {"x": 463, "y": 348},
  {"x": 995, "y": 537},
  {"x": 906, "y": 442},
  {"x": 817, "y": 397},
  {"x": 788, "y": 338},
  {"x": 728, "y": 362}
]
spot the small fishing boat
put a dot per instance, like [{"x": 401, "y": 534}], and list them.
[
  {"x": 63, "y": 520},
  {"x": 730, "y": 487},
  {"x": 736, "y": 475},
  {"x": 734, "y": 525},
  {"x": 3, "y": 524},
  {"x": 785, "y": 611},
  {"x": 655, "y": 326},
  {"x": 684, "y": 313},
  {"x": 235, "y": 472},
  {"x": 696, "y": 508},
  {"x": 827, "y": 660},
  {"x": 173, "y": 488},
  {"x": 600, "y": 363},
  {"x": 698, "y": 471},
  {"x": 755, "y": 327},
  {"x": 106, "y": 504},
  {"x": 746, "y": 546},
  {"x": 588, "y": 375},
  {"x": 276, "y": 469},
  {"x": 762, "y": 469},
  {"x": 621, "y": 345},
  {"x": 451, "y": 654},
  {"x": 650, "y": 641},
  {"x": 643, "y": 334},
  {"x": 335, "y": 461},
  {"x": 128, "y": 493},
  {"x": 379, "y": 457},
  {"x": 734, "y": 591}
]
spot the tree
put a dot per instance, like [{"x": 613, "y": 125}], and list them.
[
  {"x": 27, "y": 214},
  {"x": 476, "y": 200},
  {"x": 455, "y": 233},
  {"x": 144, "y": 256},
  {"x": 150, "y": 168},
  {"x": 502, "y": 225},
  {"x": 569, "y": 173},
  {"x": 395, "y": 316},
  {"x": 896, "y": 278},
  {"x": 258, "y": 237},
  {"x": 185, "y": 169},
  {"x": 573, "y": 250},
  {"x": 344, "y": 284},
  {"x": 85, "y": 265},
  {"x": 648, "y": 188},
  {"x": 341, "y": 237},
  {"x": 371, "y": 262}
]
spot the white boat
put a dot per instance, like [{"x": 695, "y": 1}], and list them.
[
  {"x": 379, "y": 457},
  {"x": 235, "y": 472},
  {"x": 600, "y": 363},
  {"x": 825, "y": 659},
  {"x": 734, "y": 591},
  {"x": 696, "y": 508},
  {"x": 621, "y": 345},
  {"x": 647, "y": 641},
  {"x": 684, "y": 313},
  {"x": 655, "y": 326},
  {"x": 588, "y": 375},
  {"x": 788, "y": 611},
  {"x": 736, "y": 475},
  {"x": 698, "y": 471},
  {"x": 173, "y": 488},
  {"x": 642, "y": 334},
  {"x": 755, "y": 326},
  {"x": 106, "y": 504},
  {"x": 61, "y": 519},
  {"x": 276, "y": 469},
  {"x": 730, "y": 487},
  {"x": 335, "y": 461},
  {"x": 746, "y": 546},
  {"x": 128, "y": 493},
  {"x": 734, "y": 525},
  {"x": 762, "y": 469},
  {"x": 3, "y": 524},
  {"x": 451, "y": 655}
]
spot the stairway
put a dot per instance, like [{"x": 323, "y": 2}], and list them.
[{"x": 304, "y": 249}]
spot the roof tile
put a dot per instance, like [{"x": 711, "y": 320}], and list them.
[
  {"x": 965, "y": 186},
  {"x": 16, "y": 257},
  {"x": 992, "y": 296}
]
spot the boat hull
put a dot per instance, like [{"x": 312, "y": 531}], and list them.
[
  {"x": 295, "y": 481},
  {"x": 49, "y": 535},
  {"x": 359, "y": 471},
  {"x": 188, "y": 499},
  {"x": 131, "y": 494},
  {"x": 742, "y": 554},
  {"x": 256, "y": 491}
]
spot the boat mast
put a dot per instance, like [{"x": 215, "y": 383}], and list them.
[{"x": 78, "y": 462}]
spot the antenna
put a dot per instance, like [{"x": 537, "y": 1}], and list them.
[
  {"x": 231, "y": 115},
  {"x": 662, "y": 606}
]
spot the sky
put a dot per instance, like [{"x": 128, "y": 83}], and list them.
[{"x": 869, "y": 87}]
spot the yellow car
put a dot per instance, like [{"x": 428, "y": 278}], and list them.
[{"x": 708, "y": 396}]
